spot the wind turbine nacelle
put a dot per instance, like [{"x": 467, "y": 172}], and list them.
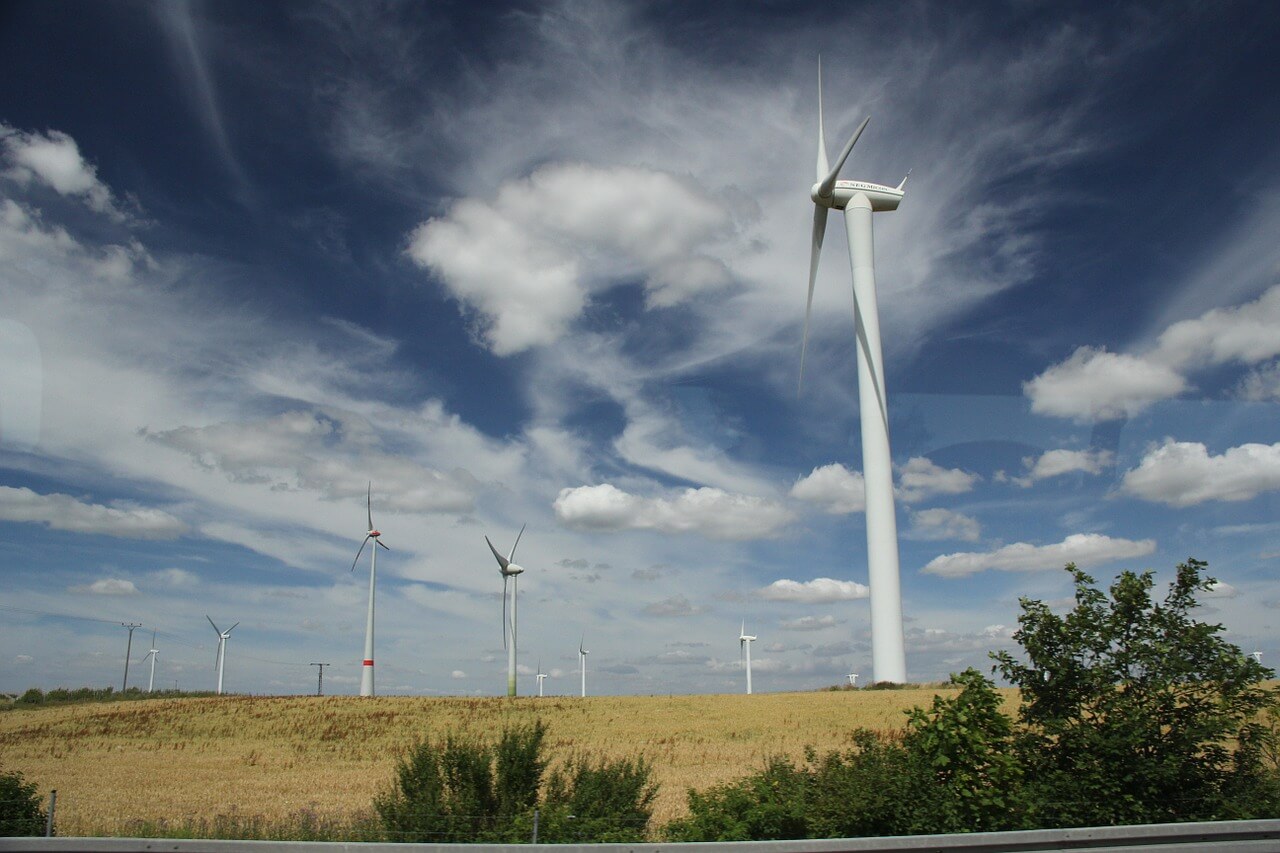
[
  {"x": 512, "y": 569},
  {"x": 881, "y": 197}
]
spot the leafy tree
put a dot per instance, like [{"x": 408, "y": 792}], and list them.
[
  {"x": 20, "y": 806},
  {"x": 768, "y": 805},
  {"x": 603, "y": 801},
  {"x": 972, "y": 780},
  {"x": 1131, "y": 707}
]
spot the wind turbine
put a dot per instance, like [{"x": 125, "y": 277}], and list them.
[
  {"x": 220, "y": 661},
  {"x": 366, "y": 674},
  {"x": 512, "y": 571},
  {"x": 858, "y": 200},
  {"x": 541, "y": 676},
  {"x": 853, "y": 679},
  {"x": 153, "y": 653},
  {"x": 582, "y": 661},
  {"x": 744, "y": 651},
  {"x": 1256, "y": 655}
]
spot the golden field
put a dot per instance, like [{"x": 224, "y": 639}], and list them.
[{"x": 177, "y": 759}]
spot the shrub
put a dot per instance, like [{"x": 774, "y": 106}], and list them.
[
  {"x": 768, "y": 805},
  {"x": 34, "y": 696},
  {"x": 598, "y": 801},
  {"x": 20, "y": 806}
]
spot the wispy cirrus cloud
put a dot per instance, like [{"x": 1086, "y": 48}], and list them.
[{"x": 64, "y": 512}]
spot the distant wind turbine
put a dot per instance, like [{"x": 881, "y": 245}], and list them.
[
  {"x": 858, "y": 199},
  {"x": 1256, "y": 655},
  {"x": 582, "y": 661},
  {"x": 153, "y": 653},
  {"x": 366, "y": 674},
  {"x": 512, "y": 571},
  {"x": 744, "y": 648},
  {"x": 853, "y": 679},
  {"x": 541, "y": 676},
  {"x": 220, "y": 661}
]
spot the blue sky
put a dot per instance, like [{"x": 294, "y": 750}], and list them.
[{"x": 546, "y": 263}]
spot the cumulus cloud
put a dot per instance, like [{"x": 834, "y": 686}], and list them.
[
  {"x": 458, "y": 674},
  {"x": 1054, "y": 463},
  {"x": 675, "y": 607},
  {"x": 53, "y": 159},
  {"x": 816, "y": 591},
  {"x": 941, "y": 524},
  {"x": 527, "y": 258},
  {"x": 1096, "y": 384},
  {"x": 1183, "y": 473},
  {"x": 63, "y": 512},
  {"x": 1244, "y": 334},
  {"x": 1221, "y": 589},
  {"x": 920, "y": 479},
  {"x": 808, "y": 623},
  {"x": 107, "y": 586},
  {"x": 710, "y": 512},
  {"x": 1082, "y": 548},
  {"x": 1261, "y": 385},
  {"x": 834, "y": 488}
]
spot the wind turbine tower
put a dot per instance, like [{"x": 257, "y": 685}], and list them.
[
  {"x": 858, "y": 200},
  {"x": 582, "y": 662},
  {"x": 366, "y": 673},
  {"x": 221, "y": 660},
  {"x": 541, "y": 676},
  {"x": 853, "y": 679},
  {"x": 152, "y": 653},
  {"x": 744, "y": 648},
  {"x": 510, "y": 571}
]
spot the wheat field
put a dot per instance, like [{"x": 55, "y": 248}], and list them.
[{"x": 119, "y": 763}]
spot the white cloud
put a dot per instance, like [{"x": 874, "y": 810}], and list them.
[
  {"x": 457, "y": 673},
  {"x": 528, "y": 260},
  {"x": 833, "y": 487},
  {"x": 939, "y": 524},
  {"x": 1084, "y": 549},
  {"x": 1054, "y": 463},
  {"x": 1221, "y": 589},
  {"x": 1261, "y": 385},
  {"x": 710, "y": 512},
  {"x": 63, "y": 512},
  {"x": 1096, "y": 384},
  {"x": 1243, "y": 333},
  {"x": 176, "y": 578},
  {"x": 816, "y": 591},
  {"x": 675, "y": 607},
  {"x": 1182, "y": 473},
  {"x": 920, "y": 479},
  {"x": 107, "y": 586},
  {"x": 808, "y": 623},
  {"x": 53, "y": 158}
]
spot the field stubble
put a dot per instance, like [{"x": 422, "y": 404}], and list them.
[{"x": 274, "y": 757}]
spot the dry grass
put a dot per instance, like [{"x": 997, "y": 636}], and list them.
[{"x": 198, "y": 758}]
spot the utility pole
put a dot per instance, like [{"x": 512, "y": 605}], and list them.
[
  {"x": 320, "y": 679},
  {"x": 127, "y": 651}
]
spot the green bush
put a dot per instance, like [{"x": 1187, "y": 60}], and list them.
[
  {"x": 598, "y": 802},
  {"x": 768, "y": 805},
  {"x": 34, "y": 696},
  {"x": 20, "y": 806}
]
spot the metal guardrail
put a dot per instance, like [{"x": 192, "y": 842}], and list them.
[{"x": 1246, "y": 836}]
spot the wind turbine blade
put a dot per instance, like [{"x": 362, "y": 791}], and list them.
[
  {"x": 819, "y": 231},
  {"x": 512, "y": 555},
  {"x": 503, "y": 562},
  {"x": 232, "y": 628},
  {"x": 215, "y": 627},
  {"x": 382, "y": 544},
  {"x": 829, "y": 183},
  {"x": 361, "y": 551},
  {"x": 823, "y": 168},
  {"x": 369, "y": 504}
]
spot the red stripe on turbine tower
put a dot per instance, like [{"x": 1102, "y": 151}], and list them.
[{"x": 368, "y": 663}]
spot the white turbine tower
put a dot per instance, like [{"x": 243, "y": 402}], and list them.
[
  {"x": 744, "y": 649},
  {"x": 858, "y": 200},
  {"x": 220, "y": 661},
  {"x": 853, "y": 679},
  {"x": 541, "y": 676},
  {"x": 366, "y": 673},
  {"x": 582, "y": 661},
  {"x": 152, "y": 653},
  {"x": 512, "y": 571}
]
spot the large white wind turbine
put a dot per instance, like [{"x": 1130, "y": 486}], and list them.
[
  {"x": 153, "y": 653},
  {"x": 744, "y": 648},
  {"x": 366, "y": 673},
  {"x": 582, "y": 661},
  {"x": 858, "y": 200},
  {"x": 512, "y": 571},
  {"x": 220, "y": 661}
]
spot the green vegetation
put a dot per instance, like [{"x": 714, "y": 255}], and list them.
[
  {"x": 35, "y": 697},
  {"x": 21, "y": 811},
  {"x": 1132, "y": 712}
]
